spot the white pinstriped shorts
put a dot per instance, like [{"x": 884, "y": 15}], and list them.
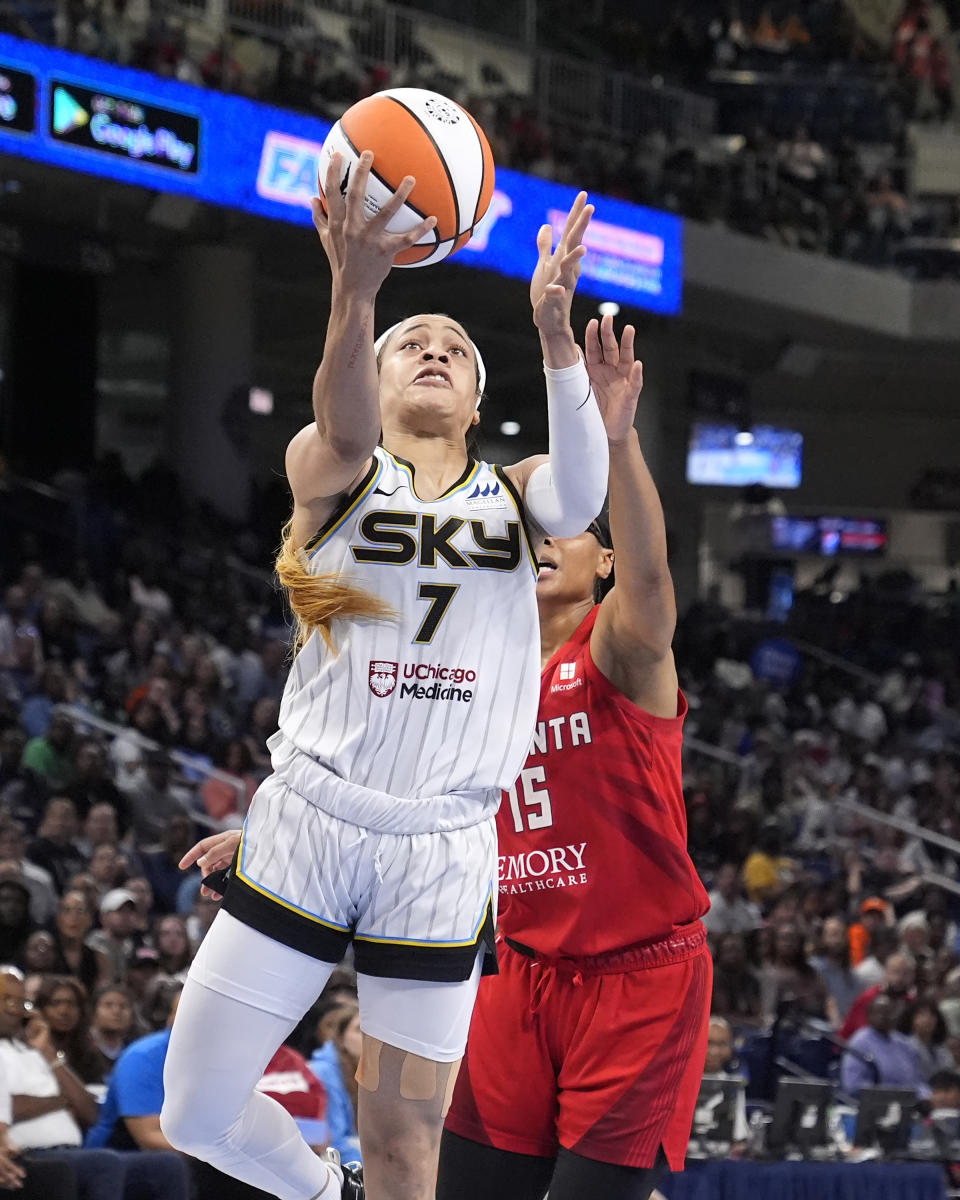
[{"x": 415, "y": 906}]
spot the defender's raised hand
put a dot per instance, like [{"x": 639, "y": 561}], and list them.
[
  {"x": 616, "y": 376},
  {"x": 360, "y": 250},
  {"x": 555, "y": 277}
]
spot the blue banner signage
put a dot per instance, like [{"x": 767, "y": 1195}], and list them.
[
  {"x": 169, "y": 136},
  {"x": 18, "y": 99}
]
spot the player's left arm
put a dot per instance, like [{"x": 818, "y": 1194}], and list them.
[
  {"x": 631, "y": 641},
  {"x": 563, "y": 491}
]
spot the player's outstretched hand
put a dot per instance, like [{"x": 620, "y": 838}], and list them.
[
  {"x": 617, "y": 377},
  {"x": 557, "y": 271},
  {"x": 360, "y": 250},
  {"x": 212, "y": 853}
]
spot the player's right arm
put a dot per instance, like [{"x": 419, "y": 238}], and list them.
[
  {"x": 563, "y": 491},
  {"x": 326, "y": 458}
]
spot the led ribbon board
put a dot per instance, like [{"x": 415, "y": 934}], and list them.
[
  {"x": 18, "y": 99},
  {"x": 83, "y": 115}
]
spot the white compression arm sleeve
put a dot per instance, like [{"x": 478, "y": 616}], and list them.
[{"x": 565, "y": 494}]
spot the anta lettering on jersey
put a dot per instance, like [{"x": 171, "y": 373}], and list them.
[
  {"x": 568, "y": 730},
  {"x": 398, "y": 538}
]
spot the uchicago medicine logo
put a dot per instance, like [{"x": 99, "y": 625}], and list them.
[
  {"x": 421, "y": 681},
  {"x": 383, "y": 677}
]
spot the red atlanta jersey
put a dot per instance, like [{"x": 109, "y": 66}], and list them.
[{"x": 593, "y": 835}]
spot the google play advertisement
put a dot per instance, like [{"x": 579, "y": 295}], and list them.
[
  {"x": 83, "y": 115},
  {"x": 116, "y": 124}
]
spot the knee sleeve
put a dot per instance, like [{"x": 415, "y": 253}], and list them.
[
  {"x": 188, "y": 1124},
  {"x": 218, "y": 1050},
  {"x": 224, "y": 1034},
  {"x": 186, "y": 1121}
]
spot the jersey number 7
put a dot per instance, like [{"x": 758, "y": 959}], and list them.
[
  {"x": 439, "y": 595},
  {"x": 526, "y": 793}
]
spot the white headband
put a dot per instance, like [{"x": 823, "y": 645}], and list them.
[{"x": 481, "y": 369}]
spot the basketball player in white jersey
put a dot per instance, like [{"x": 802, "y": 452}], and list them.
[{"x": 409, "y": 705}]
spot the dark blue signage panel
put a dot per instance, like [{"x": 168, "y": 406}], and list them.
[
  {"x": 113, "y": 124},
  {"x": 169, "y": 136},
  {"x": 18, "y": 99}
]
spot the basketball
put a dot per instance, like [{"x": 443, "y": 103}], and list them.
[{"x": 416, "y": 132}]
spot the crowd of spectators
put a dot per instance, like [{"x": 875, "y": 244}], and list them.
[
  {"x": 823, "y": 918},
  {"x": 813, "y": 101},
  {"x": 831, "y": 914},
  {"x": 813, "y": 104},
  {"x": 126, "y": 678}
]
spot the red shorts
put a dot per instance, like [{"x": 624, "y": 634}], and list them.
[{"x": 603, "y": 1056}]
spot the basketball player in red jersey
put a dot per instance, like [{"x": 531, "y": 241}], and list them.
[{"x": 585, "y": 1055}]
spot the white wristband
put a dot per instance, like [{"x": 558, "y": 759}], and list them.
[{"x": 565, "y": 494}]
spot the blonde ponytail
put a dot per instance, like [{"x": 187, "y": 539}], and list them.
[{"x": 315, "y": 600}]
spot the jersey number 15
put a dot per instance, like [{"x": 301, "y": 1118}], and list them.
[{"x": 530, "y": 803}]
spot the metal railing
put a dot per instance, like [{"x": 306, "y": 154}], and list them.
[
  {"x": 581, "y": 94},
  {"x": 710, "y": 751},
  {"x": 564, "y": 90},
  {"x": 829, "y": 659},
  {"x": 82, "y": 717},
  {"x": 54, "y": 512},
  {"x": 913, "y": 830},
  {"x": 512, "y": 23}
]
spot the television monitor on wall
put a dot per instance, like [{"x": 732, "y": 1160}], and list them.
[
  {"x": 725, "y": 456},
  {"x": 829, "y": 536}
]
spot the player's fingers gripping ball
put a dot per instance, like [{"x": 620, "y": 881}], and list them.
[{"x": 416, "y": 132}]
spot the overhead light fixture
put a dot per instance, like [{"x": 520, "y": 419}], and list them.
[
  {"x": 608, "y": 308},
  {"x": 743, "y": 438},
  {"x": 261, "y": 401},
  {"x": 509, "y": 428}
]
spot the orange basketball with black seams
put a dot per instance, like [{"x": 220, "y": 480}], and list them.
[{"x": 412, "y": 131}]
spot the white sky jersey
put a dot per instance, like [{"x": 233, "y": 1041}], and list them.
[{"x": 443, "y": 698}]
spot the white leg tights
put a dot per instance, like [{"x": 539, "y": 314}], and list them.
[{"x": 219, "y": 1049}]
